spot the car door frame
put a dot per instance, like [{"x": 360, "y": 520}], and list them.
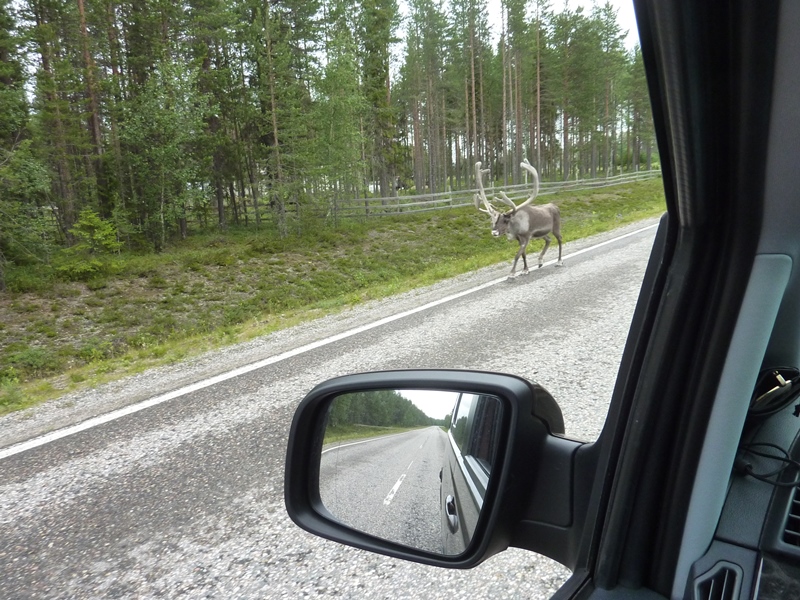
[{"x": 663, "y": 407}]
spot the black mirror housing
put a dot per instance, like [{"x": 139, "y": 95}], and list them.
[{"x": 530, "y": 449}]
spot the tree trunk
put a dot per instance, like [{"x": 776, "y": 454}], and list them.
[
  {"x": 432, "y": 149},
  {"x": 484, "y": 137},
  {"x": 277, "y": 198},
  {"x": 505, "y": 93},
  {"x": 253, "y": 188},
  {"x": 467, "y": 130},
  {"x": 475, "y": 152},
  {"x": 520, "y": 152},
  {"x": 419, "y": 156},
  {"x": 65, "y": 178},
  {"x": 234, "y": 205},
  {"x": 94, "y": 119},
  {"x": 446, "y": 151},
  {"x": 566, "y": 166}
]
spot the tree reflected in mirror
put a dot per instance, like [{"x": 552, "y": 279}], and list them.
[{"x": 392, "y": 465}]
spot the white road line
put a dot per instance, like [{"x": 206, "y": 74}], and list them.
[
  {"x": 388, "y": 500},
  {"x": 375, "y": 439},
  {"x": 134, "y": 408}
]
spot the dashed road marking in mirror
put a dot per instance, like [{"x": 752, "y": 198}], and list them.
[{"x": 388, "y": 500}]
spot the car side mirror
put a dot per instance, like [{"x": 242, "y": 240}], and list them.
[{"x": 434, "y": 466}]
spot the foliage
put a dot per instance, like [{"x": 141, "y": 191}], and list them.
[
  {"x": 338, "y": 111},
  {"x": 13, "y": 108},
  {"x": 94, "y": 235},
  {"x": 11, "y": 395},
  {"x": 165, "y": 118},
  {"x": 23, "y": 178},
  {"x": 163, "y": 126},
  {"x": 33, "y": 361},
  {"x": 27, "y": 232},
  {"x": 95, "y": 240},
  {"x": 381, "y": 408},
  {"x": 24, "y": 235}
]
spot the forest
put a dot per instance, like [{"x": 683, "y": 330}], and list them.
[
  {"x": 127, "y": 125},
  {"x": 378, "y": 408}
]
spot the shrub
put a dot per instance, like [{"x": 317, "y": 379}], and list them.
[
  {"x": 29, "y": 280},
  {"x": 11, "y": 396},
  {"x": 34, "y": 362},
  {"x": 94, "y": 349},
  {"x": 90, "y": 256},
  {"x": 95, "y": 235},
  {"x": 222, "y": 258},
  {"x": 97, "y": 283}
]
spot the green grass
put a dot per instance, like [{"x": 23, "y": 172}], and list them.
[
  {"x": 216, "y": 289},
  {"x": 344, "y": 433}
]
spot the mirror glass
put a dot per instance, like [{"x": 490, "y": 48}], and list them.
[{"x": 410, "y": 466}]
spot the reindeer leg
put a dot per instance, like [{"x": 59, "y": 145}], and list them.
[
  {"x": 523, "y": 251},
  {"x": 514, "y": 264},
  {"x": 558, "y": 237},
  {"x": 546, "y": 246}
]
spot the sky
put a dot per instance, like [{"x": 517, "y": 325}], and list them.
[
  {"x": 625, "y": 14},
  {"x": 436, "y": 405}
]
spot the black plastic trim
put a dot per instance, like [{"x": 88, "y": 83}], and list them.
[
  {"x": 744, "y": 562},
  {"x": 772, "y": 539},
  {"x": 712, "y": 131},
  {"x": 528, "y": 449}
]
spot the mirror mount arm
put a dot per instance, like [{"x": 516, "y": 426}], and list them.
[{"x": 551, "y": 521}]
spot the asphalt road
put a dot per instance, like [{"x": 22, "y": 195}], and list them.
[
  {"x": 185, "y": 499},
  {"x": 388, "y": 486}
]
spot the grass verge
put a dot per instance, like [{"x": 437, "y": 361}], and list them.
[
  {"x": 346, "y": 433},
  {"x": 220, "y": 288}
]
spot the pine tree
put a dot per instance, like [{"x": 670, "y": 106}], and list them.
[
  {"x": 13, "y": 106},
  {"x": 378, "y": 25},
  {"x": 24, "y": 232},
  {"x": 339, "y": 137},
  {"x": 155, "y": 115}
]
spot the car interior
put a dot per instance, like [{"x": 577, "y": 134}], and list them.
[{"x": 691, "y": 490}]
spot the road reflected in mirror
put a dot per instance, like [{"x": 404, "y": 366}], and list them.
[{"x": 398, "y": 465}]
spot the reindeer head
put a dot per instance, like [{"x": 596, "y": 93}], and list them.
[{"x": 500, "y": 223}]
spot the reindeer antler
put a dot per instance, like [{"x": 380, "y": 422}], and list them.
[
  {"x": 506, "y": 200},
  {"x": 481, "y": 195},
  {"x": 528, "y": 167},
  {"x": 477, "y": 199}
]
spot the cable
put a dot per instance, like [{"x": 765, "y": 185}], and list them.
[{"x": 746, "y": 468}]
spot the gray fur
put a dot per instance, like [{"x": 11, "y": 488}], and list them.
[{"x": 524, "y": 222}]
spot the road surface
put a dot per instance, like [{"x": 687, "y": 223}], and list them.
[
  {"x": 184, "y": 498},
  {"x": 388, "y": 486}
]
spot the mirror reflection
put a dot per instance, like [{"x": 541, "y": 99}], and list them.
[{"x": 410, "y": 466}]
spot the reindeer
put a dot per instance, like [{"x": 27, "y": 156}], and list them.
[{"x": 522, "y": 223}]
